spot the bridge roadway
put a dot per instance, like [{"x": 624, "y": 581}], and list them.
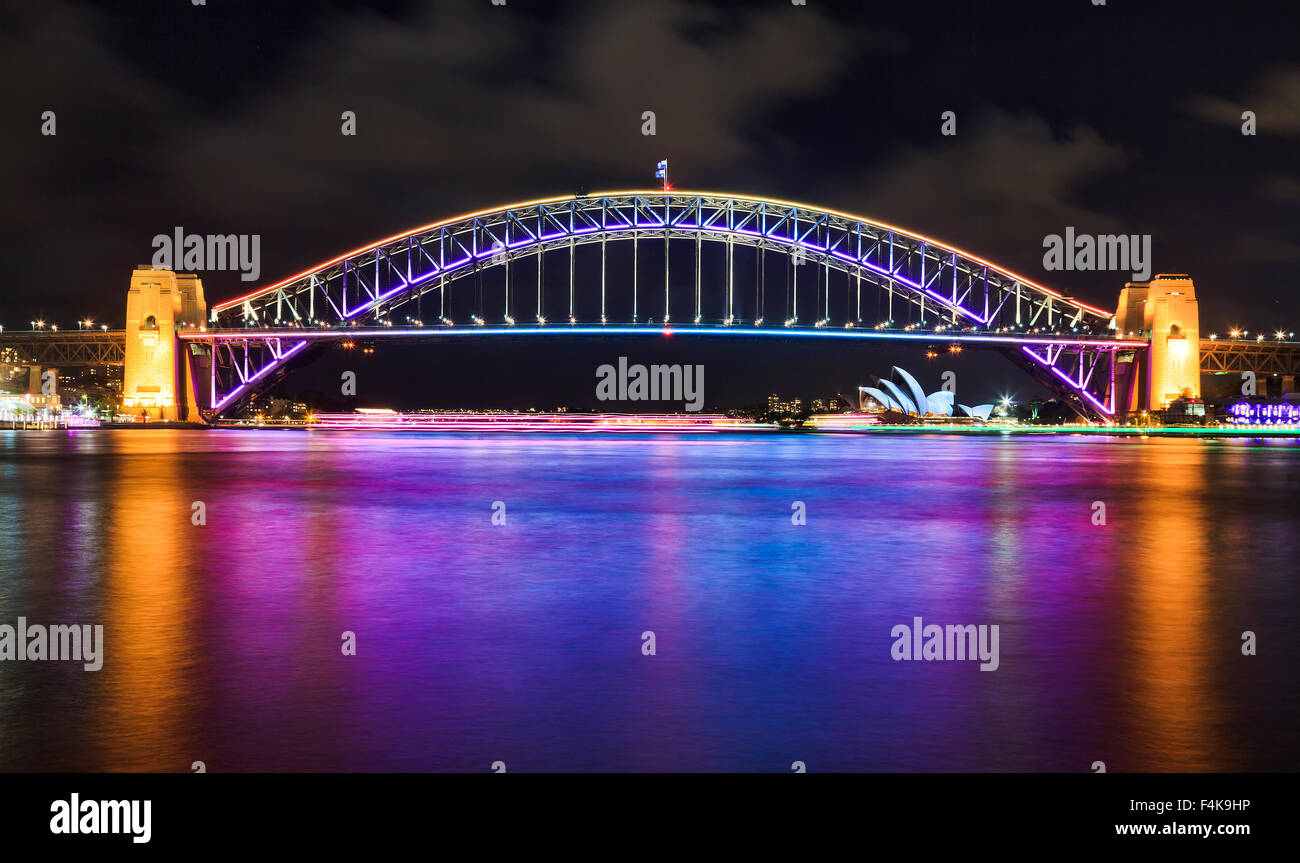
[
  {"x": 944, "y": 336},
  {"x": 73, "y": 348},
  {"x": 64, "y": 348},
  {"x": 1220, "y": 356}
]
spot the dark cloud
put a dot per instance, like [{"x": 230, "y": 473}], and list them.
[
  {"x": 1265, "y": 247},
  {"x": 1281, "y": 188},
  {"x": 1019, "y": 179},
  {"x": 1275, "y": 99},
  {"x": 68, "y": 196},
  {"x": 437, "y": 106},
  {"x": 458, "y": 106}
]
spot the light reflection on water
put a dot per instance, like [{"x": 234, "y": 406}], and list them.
[{"x": 522, "y": 643}]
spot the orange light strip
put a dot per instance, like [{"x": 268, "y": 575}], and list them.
[{"x": 661, "y": 193}]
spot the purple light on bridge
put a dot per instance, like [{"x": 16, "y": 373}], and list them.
[
  {"x": 218, "y": 405},
  {"x": 620, "y": 329},
  {"x": 770, "y": 235},
  {"x": 1074, "y": 385}
]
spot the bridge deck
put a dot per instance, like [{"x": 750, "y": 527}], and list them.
[
  {"x": 66, "y": 348},
  {"x": 561, "y": 330}
]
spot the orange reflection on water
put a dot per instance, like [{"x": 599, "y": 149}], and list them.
[
  {"x": 149, "y": 633},
  {"x": 1172, "y": 702}
]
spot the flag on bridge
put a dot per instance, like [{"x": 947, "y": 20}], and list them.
[{"x": 661, "y": 170}]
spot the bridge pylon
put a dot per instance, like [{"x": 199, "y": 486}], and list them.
[
  {"x": 160, "y": 378},
  {"x": 1163, "y": 311}
]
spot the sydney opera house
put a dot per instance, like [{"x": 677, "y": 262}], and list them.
[{"x": 901, "y": 400}]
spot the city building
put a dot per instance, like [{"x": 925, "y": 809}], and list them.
[
  {"x": 776, "y": 406},
  {"x": 829, "y": 405}
]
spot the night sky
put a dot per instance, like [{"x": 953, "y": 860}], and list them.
[{"x": 224, "y": 118}]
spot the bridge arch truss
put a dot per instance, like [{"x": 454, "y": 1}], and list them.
[
  {"x": 365, "y": 285},
  {"x": 942, "y": 288}
]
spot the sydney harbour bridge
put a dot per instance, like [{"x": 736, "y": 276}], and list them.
[{"x": 648, "y": 263}]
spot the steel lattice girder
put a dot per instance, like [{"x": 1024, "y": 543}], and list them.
[
  {"x": 1277, "y": 358},
  {"x": 366, "y": 283},
  {"x": 1086, "y": 376},
  {"x": 74, "y": 348},
  {"x": 251, "y": 337},
  {"x": 245, "y": 361},
  {"x": 235, "y": 367}
]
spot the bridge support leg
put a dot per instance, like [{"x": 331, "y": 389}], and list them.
[
  {"x": 1164, "y": 310},
  {"x": 156, "y": 377}
]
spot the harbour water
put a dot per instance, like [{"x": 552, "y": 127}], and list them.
[{"x": 525, "y": 642}]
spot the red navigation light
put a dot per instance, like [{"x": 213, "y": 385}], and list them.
[{"x": 668, "y": 331}]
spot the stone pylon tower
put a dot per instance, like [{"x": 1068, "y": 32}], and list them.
[
  {"x": 156, "y": 379},
  {"x": 1164, "y": 311}
]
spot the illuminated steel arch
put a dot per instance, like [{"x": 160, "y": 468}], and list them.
[{"x": 946, "y": 291}]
